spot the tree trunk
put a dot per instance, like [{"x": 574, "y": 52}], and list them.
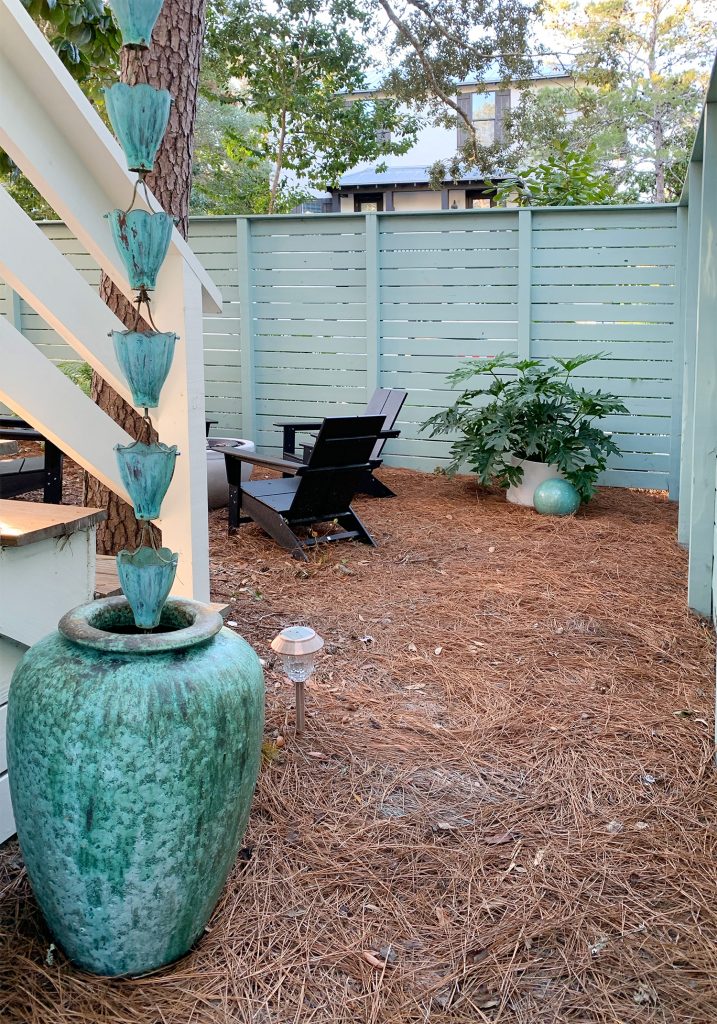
[
  {"x": 171, "y": 63},
  {"x": 658, "y": 137}
]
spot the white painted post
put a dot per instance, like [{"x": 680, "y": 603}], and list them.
[
  {"x": 58, "y": 140},
  {"x": 704, "y": 450},
  {"x": 180, "y": 420},
  {"x": 691, "y": 275},
  {"x": 246, "y": 329},
  {"x": 373, "y": 304}
]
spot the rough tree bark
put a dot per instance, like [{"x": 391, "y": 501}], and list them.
[{"x": 172, "y": 63}]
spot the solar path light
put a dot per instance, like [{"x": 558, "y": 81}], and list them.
[{"x": 297, "y": 647}]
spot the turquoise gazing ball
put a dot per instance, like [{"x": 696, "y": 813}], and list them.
[{"x": 556, "y": 498}]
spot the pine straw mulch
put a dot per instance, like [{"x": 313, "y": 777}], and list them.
[{"x": 501, "y": 809}]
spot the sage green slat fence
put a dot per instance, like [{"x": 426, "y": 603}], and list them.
[
  {"x": 698, "y": 219},
  {"x": 321, "y": 310}
]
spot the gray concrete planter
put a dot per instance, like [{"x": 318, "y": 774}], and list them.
[{"x": 217, "y": 485}]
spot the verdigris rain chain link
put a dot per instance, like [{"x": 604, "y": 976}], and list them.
[{"x": 139, "y": 114}]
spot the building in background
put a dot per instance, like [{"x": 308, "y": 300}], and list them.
[
  {"x": 408, "y": 188},
  {"x": 404, "y": 184}
]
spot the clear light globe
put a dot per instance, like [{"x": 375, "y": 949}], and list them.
[{"x": 298, "y": 667}]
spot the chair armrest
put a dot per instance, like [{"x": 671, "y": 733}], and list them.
[
  {"x": 289, "y": 438},
  {"x": 260, "y": 460},
  {"x": 385, "y": 434},
  {"x": 301, "y": 426}
]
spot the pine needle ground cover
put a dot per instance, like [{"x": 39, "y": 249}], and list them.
[{"x": 502, "y": 809}]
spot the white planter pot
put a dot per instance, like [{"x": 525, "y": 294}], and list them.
[
  {"x": 217, "y": 485},
  {"x": 534, "y": 473}
]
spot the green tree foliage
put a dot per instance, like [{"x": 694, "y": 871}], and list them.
[
  {"x": 230, "y": 176},
  {"x": 566, "y": 177},
  {"x": 87, "y": 41},
  {"x": 84, "y": 35},
  {"x": 297, "y": 59},
  {"x": 640, "y": 70},
  {"x": 527, "y": 409},
  {"x": 435, "y": 44}
]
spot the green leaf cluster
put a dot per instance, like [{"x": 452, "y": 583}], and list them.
[
  {"x": 566, "y": 177},
  {"x": 639, "y": 71},
  {"x": 85, "y": 37},
  {"x": 299, "y": 61},
  {"x": 527, "y": 409},
  {"x": 229, "y": 174},
  {"x": 80, "y": 373}
]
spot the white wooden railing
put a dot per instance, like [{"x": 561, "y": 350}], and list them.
[{"x": 58, "y": 140}]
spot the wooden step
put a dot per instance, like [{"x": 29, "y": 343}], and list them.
[{"x": 107, "y": 581}]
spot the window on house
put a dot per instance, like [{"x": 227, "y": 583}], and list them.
[
  {"x": 486, "y": 110},
  {"x": 476, "y": 199},
  {"x": 483, "y": 116},
  {"x": 368, "y": 202}
]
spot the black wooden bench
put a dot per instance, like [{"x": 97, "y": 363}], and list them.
[{"x": 23, "y": 474}]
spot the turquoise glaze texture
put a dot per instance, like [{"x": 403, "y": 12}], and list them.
[
  {"x": 146, "y": 470},
  {"x": 139, "y": 115},
  {"x": 145, "y": 358},
  {"x": 556, "y": 498},
  {"x": 142, "y": 240},
  {"x": 136, "y": 20},
  {"x": 132, "y": 772}
]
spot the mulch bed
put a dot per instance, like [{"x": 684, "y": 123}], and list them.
[{"x": 502, "y": 809}]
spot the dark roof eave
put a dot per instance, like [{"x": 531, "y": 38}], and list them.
[{"x": 423, "y": 185}]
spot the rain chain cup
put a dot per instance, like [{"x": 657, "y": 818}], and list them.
[{"x": 134, "y": 731}]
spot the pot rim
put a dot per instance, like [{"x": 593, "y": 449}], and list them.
[{"x": 78, "y": 626}]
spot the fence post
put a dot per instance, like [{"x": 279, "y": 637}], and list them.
[
  {"x": 373, "y": 305},
  {"x": 691, "y": 274},
  {"x": 525, "y": 281},
  {"x": 246, "y": 329},
  {"x": 704, "y": 434},
  {"x": 14, "y": 308},
  {"x": 678, "y": 367}
]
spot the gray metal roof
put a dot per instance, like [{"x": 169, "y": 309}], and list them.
[{"x": 400, "y": 176}]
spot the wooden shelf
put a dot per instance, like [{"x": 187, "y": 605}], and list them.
[{"x": 25, "y": 522}]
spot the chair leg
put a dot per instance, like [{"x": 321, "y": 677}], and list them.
[
  {"x": 350, "y": 521},
  {"x": 234, "y": 508},
  {"x": 276, "y": 526},
  {"x": 52, "y": 490},
  {"x": 372, "y": 486}
]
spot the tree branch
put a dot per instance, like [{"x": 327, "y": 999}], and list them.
[{"x": 406, "y": 34}]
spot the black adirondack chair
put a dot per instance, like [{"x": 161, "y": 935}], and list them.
[
  {"x": 385, "y": 402},
  {"x": 318, "y": 491}
]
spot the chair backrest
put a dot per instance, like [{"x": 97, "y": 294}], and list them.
[
  {"x": 340, "y": 458},
  {"x": 386, "y": 402}
]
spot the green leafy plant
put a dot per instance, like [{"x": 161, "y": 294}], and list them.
[
  {"x": 565, "y": 178},
  {"x": 526, "y": 409},
  {"x": 79, "y": 373}
]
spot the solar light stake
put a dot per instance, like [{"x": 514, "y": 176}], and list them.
[{"x": 297, "y": 646}]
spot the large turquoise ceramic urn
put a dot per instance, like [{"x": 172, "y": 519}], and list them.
[{"x": 133, "y": 758}]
